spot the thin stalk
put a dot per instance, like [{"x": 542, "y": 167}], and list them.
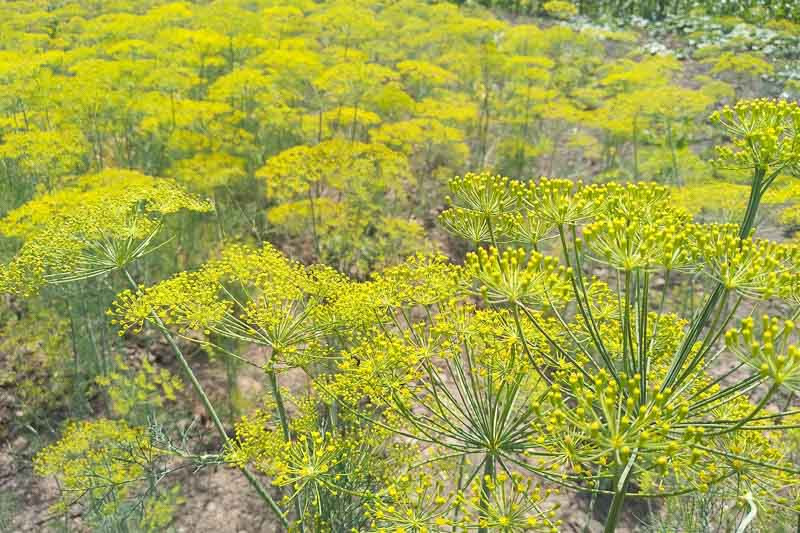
[
  {"x": 635, "y": 147},
  {"x": 515, "y": 312},
  {"x": 590, "y": 512},
  {"x": 643, "y": 360},
  {"x": 674, "y": 157},
  {"x": 628, "y": 357},
  {"x": 583, "y": 304},
  {"x": 719, "y": 292},
  {"x": 284, "y": 420},
  {"x": 614, "y": 512},
  {"x": 276, "y": 393},
  {"x": 212, "y": 413},
  {"x": 752, "y": 203},
  {"x": 620, "y": 491},
  {"x": 694, "y": 333},
  {"x": 459, "y": 486},
  {"x": 488, "y": 472},
  {"x": 749, "y": 417}
]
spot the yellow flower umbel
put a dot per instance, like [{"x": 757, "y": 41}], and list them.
[
  {"x": 516, "y": 277},
  {"x": 631, "y": 244},
  {"x": 480, "y": 208},
  {"x": 764, "y": 134},
  {"x": 754, "y": 268},
  {"x": 765, "y": 137},
  {"x": 557, "y": 201},
  {"x": 624, "y": 390},
  {"x": 510, "y": 503},
  {"x": 101, "y": 223},
  {"x": 249, "y": 295},
  {"x": 101, "y": 460},
  {"x": 769, "y": 353},
  {"x": 413, "y": 503}
]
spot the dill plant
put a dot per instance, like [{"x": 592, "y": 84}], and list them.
[
  {"x": 83, "y": 232},
  {"x": 628, "y": 404},
  {"x": 437, "y": 394},
  {"x": 428, "y": 400}
]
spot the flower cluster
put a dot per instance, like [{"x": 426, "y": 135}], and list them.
[
  {"x": 764, "y": 134},
  {"x": 101, "y": 460},
  {"x": 755, "y": 268},
  {"x": 516, "y": 277},
  {"x": 511, "y": 503},
  {"x": 623, "y": 389},
  {"x": 250, "y": 295},
  {"x": 558, "y": 201},
  {"x": 769, "y": 352},
  {"x": 637, "y": 244},
  {"x": 102, "y": 223}
]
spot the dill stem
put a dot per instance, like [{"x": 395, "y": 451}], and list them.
[
  {"x": 212, "y": 413},
  {"x": 284, "y": 420},
  {"x": 620, "y": 491},
  {"x": 488, "y": 475}
]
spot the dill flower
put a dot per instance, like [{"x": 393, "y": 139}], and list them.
[
  {"x": 558, "y": 201},
  {"x": 650, "y": 202},
  {"x": 754, "y": 268},
  {"x": 103, "y": 202},
  {"x": 101, "y": 459},
  {"x": 770, "y": 352},
  {"x": 475, "y": 227},
  {"x": 527, "y": 229},
  {"x": 481, "y": 207},
  {"x": 482, "y": 193},
  {"x": 251, "y": 295},
  {"x": 510, "y": 503},
  {"x": 622, "y": 389},
  {"x": 414, "y": 503},
  {"x": 100, "y": 224},
  {"x": 764, "y": 134},
  {"x": 634, "y": 244},
  {"x": 379, "y": 368},
  {"x": 517, "y": 277},
  {"x": 419, "y": 280}
]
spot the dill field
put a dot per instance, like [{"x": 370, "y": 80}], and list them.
[{"x": 408, "y": 266}]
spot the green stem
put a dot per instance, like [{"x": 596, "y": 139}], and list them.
[
  {"x": 284, "y": 420},
  {"x": 314, "y": 236},
  {"x": 459, "y": 486},
  {"x": 620, "y": 491},
  {"x": 752, "y": 202},
  {"x": 488, "y": 472},
  {"x": 674, "y": 156},
  {"x": 614, "y": 512},
  {"x": 590, "y": 512},
  {"x": 276, "y": 393},
  {"x": 521, "y": 333},
  {"x": 582, "y": 300},
  {"x": 635, "y": 147},
  {"x": 212, "y": 413},
  {"x": 642, "y": 300},
  {"x": 628, "y": 357},
  {"x": 719, "y": 292}
]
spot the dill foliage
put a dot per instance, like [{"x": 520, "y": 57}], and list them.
[{"x": 273, "y": 185}]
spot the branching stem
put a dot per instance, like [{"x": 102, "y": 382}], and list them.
[{"x": 212, "y": 413}]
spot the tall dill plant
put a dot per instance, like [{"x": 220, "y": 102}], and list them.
[
  {"x": 439, "y": 396},
  {"x": 94, "y": 228},
  {"x": 632, "y": 401}
]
